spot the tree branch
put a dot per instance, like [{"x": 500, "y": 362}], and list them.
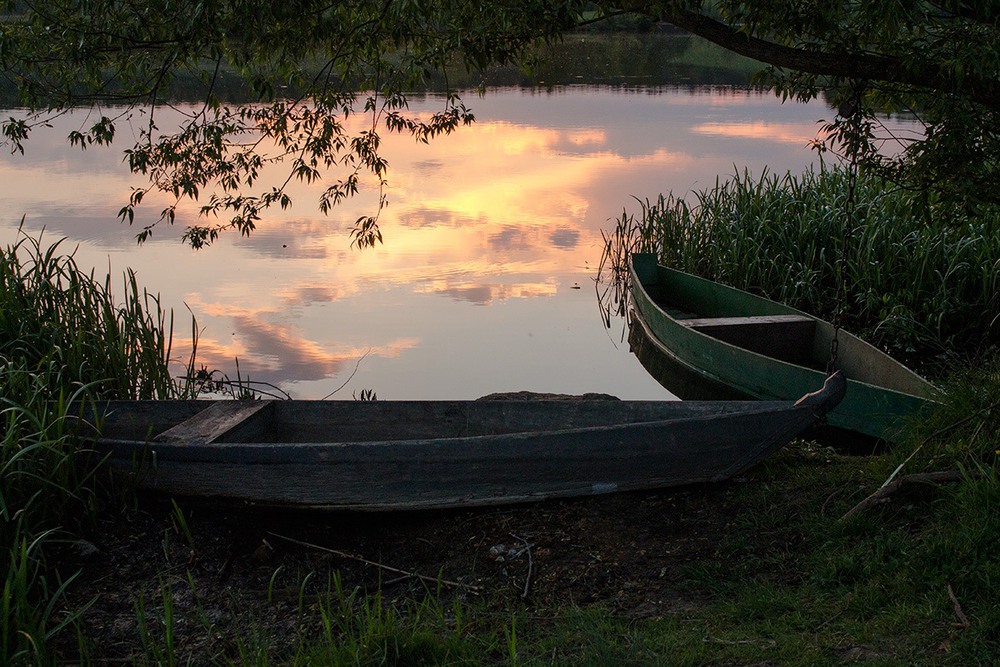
[
  {"x": 933, "y": 478},
  {"x": 844, "y": 65}
]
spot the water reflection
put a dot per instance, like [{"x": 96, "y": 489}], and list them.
[
  {"x": 778, "y": 132},
  {"x": 490, "y": 233}
]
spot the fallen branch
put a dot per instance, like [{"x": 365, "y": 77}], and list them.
[
  {"x": 351, "y": 376},
  {"x": 936, "y": 434},
  {"x": 527, "y": 578},
  {"x": 963, "y": 619},
  {"x": 380, "y": 566},
  {"x": 890, "y": 488},
  {"x": 739, "y": 642}
]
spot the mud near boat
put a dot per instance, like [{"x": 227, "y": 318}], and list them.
[{"x": 621, "y": 552}]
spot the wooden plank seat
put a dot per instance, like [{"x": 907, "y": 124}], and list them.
[
  {"x": 223, "y": 421},
  {"x": 786, "y": 337}
]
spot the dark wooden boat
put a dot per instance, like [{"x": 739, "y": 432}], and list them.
[
  {"x": 746, "y": 346},
  {"x": 393, "y": 455}
]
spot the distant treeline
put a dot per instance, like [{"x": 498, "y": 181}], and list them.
[{"x": 623, "y": 51}]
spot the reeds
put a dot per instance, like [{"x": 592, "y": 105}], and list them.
[
  {"x": 918, "y": 277},
  {"x": 53, "y": 312},
  {"x": 64, "y": 338}
]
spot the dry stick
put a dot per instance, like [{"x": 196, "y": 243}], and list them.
[
  {"x": 405, "y": 573},
  {"x": 822, "y": 510},
  {"x": 527, "y": 579},
  {"x": 396, "y": 580},
  {"x": 738, "y": 642},
  {"x": 963, "y": 619},
  {"x": 351, "y": 376},
  {"x": 835, "y": 616},
  {"x": 938, "y": 477},
  {"x": 935, "y": 434},
  {"x": 889, "y": 487}
]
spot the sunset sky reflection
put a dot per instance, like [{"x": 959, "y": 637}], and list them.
[{"x": 492, "y": 239}]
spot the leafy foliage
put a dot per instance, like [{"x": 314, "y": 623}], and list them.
[
  {"x": 937, "y": 60},
  {"x": 310, "y": 67}
]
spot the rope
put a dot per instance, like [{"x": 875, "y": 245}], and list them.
[{"x": 848, "y": 112}]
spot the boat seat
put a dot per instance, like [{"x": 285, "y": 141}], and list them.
[
  {"x": 680, "y": 314},
  {"x": 223, "y": 421},
  {"x": 785, "y": 337}
]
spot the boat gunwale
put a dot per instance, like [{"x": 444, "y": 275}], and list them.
[{"x": 750, "y": 408}]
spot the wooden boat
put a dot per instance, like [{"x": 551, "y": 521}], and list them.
[
  {"x": 392, "y": 455},
  {"x": 752, "y": 347}
]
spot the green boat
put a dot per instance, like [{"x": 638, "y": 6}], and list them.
[{"x": 756, "y": 348}]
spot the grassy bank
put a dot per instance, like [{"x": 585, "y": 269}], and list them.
[
  {"x": 761, "y": 570},
  {"x": 64, "y": 337},
  {"x": 920, "y": 283}
]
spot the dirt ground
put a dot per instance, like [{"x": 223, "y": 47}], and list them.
[{"x": 619, "y": 551}]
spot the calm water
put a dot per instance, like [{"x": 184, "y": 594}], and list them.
[{"x": 492, "y": 238}]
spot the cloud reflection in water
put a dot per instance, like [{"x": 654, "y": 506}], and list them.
[{"x": 504, "y": 215}]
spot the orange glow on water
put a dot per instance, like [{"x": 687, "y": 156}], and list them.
[{"x": 799, "y": 134}]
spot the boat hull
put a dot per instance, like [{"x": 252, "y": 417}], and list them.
[
  {"x": 408, "y": 455},
  {"x": 881, "y": 393}
]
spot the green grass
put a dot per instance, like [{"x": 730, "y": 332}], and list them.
[
  {"x": 64, "y": 338},
  {"x": 57, "y": 316},
  {"x": 788, "y": 582},
  {"x": 920, "y": 284},
  {"x": 333, "y": 626},
  {"x": 42, "y": 492},
  {"x": 797, "y": 584}
]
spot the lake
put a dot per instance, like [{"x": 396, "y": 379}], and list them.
[{"x": 493, "y": 236}]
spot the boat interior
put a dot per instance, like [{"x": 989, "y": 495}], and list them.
[{"x": 789, "y": 338}]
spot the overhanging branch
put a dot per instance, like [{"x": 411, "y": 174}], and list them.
[{"x": 845, "y": 65}]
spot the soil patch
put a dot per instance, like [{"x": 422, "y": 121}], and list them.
[{"x": 232, "y": 569}]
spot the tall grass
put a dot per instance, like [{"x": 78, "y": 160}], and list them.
[
  {"x": 55, "y": 313},
  {"x": 367, "y": 631},
  {"x": 924, "y": 282},
  {"x": 41, "y": 490},
  {"x": 64, "y": 338}
]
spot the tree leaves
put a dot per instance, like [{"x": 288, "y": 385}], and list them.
[
  {"x": 306, "y": 68},
  {"x": 938, "y": 62},
  {"x": 305, "y": 64}
]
